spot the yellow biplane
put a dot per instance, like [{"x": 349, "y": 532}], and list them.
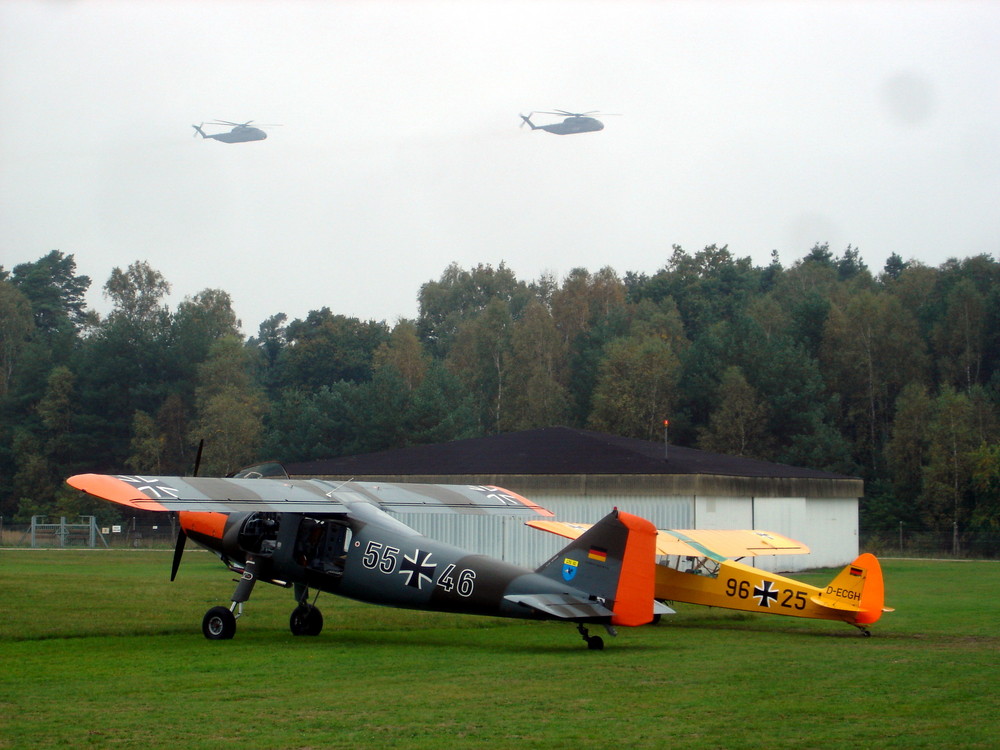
[{"x": 702, "y": 567}]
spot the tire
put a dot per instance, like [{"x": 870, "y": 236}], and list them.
[
  {"x": 306, "y": 620},
  {"x": 595, "y": 643},
  {"x": 219, "y": 624}
]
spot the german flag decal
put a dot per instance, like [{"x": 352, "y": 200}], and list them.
[
  {"x": 857, "y": 571},
  {"x": 598, "y": 553}
]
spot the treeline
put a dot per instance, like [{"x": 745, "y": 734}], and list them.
[{"x": 891, "y": 376}]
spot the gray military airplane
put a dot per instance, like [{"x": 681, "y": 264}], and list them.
[
  {"x": 340, "y": 538},
  {"x": 241, "y": 132},
  {"x": 575, "y": 122}
]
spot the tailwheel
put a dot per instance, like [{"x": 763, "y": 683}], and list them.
[
  {"x": 219, "y": 624},
  {"x": 594, "y": 642},
  {"x": 306, "y": 619}
]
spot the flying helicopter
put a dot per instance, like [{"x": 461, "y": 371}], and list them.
[
  {"x": 241, "y": 132},
  {"x": 575, "y": 122},
  {"x": 340, "y": 538}
]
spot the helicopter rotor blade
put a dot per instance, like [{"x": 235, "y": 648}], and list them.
[
  {"x": 591, "y": 113},
  {"x": 246, "y": 124}
]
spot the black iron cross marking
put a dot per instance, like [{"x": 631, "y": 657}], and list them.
[
  {"x": 417, "y": 569},
  {"x": 765, "y": 594}
]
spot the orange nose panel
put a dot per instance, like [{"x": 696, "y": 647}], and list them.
[{"x": 207, "y": 524}]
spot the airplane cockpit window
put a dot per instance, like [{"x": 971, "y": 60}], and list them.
[{"x": 702, "y": 566}]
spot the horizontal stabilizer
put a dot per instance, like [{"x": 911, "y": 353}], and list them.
[
  {"x": 562, "y": 606},
  {"x": 659, "y": 608},
  {"x": 831, "y": 603}
]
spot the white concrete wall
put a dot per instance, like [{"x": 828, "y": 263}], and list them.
[
  {"x": 831, "y": 531},
  {"x": 722, "y": 513}
]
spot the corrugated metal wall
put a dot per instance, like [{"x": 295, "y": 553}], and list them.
[
  {"x": 828, "y": 525},
  {"x": 509, "y": 539}
]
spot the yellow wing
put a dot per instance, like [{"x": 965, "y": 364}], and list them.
[
  {"x": 731, "y": 543},
  {"x": 716, "y": 543}
]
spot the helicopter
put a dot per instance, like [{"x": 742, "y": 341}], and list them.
[
  {"x": 575, "y": 122},
  {"x": 240, "y": 133}
]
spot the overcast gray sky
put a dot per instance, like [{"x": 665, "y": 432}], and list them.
[{"x": 761, "y": 125}]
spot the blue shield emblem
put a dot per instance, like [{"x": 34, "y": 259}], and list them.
[{"x": 569, "y": 569}]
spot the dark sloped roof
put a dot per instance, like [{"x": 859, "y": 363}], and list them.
[{"x": 550, "y": 450}]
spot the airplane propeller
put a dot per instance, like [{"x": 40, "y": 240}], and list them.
[
  {"x": 181, "y": 534},
  {"x": 178, "y": 552}
]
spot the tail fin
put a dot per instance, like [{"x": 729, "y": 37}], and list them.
[
  {"x": 527, "y": 119},
  {"x": 615, "y": 561},
  {"x": 858, "y": 589},
  {"x": 200, "y": 131}
]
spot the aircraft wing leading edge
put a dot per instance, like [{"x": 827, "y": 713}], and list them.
[
  {"x": 718, "y": 544},
  {"x": 232, "y": 495}
]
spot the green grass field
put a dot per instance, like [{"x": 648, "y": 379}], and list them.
[{"x": 98, "y": 648}]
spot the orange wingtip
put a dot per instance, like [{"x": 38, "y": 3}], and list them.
[{"x": 112, "y": 488}]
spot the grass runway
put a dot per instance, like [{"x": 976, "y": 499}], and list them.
[{"x": 99, "y": 649}]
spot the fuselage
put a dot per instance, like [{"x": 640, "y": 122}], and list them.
[
  {"x": 369, "y": 556},
  {"x": 734, "y": 585},
  {"x": 574, "y": 125},
  {"x": 239, "y": 135}
]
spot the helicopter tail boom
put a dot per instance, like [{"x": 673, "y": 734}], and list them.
[
  {"x": 527, "y": 119},
  {"x": 199, "y": 131}
]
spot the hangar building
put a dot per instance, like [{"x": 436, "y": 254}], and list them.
[{"x": 581, "y": 475}]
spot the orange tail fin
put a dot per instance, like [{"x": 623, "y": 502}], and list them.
[{"x": 858, "y": 591}]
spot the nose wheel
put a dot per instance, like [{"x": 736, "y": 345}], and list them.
[{"x": 219, "y": 624}]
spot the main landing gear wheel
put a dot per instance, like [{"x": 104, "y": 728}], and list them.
[
  {"x": 306, "y": 620},
  {"x": 219, "y": 624}
]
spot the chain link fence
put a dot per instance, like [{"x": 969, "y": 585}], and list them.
[
  {"x": 133, "y": 534},
  {"x": 57, "y": 532},
  {"x": 903, "y": 543}
]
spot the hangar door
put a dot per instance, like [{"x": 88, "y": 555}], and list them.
[{"x": 784, "y": 515}]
